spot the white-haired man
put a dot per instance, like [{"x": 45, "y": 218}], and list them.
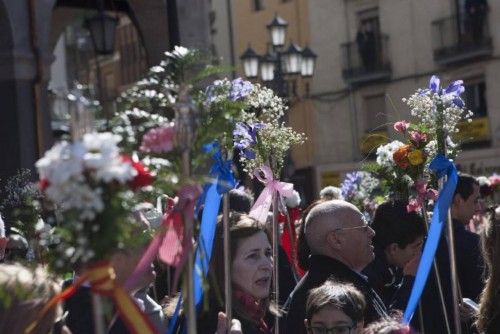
[{"x": 340, "y": 240}]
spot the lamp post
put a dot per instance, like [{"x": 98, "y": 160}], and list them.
[
  {"x": 102, "y": 28},
  {"x": 279, "y": 65}
]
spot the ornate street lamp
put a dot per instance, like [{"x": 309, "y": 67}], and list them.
[
  {"x": 277, "y": 29},
  {"x": 250, "y": 63},
  {"x": 292, "y": 59},
  {"x": 308, "y": 63},
  {"x": 102, "y": 28},
  {"x": 278, "y": 65},
  {"x": 267, "y": 67}
]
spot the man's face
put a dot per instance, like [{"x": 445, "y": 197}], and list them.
[
  {"x": 356, "y": 237},
  {"x": 465, "y": 209},
  {"x": 402, "y": 256}
]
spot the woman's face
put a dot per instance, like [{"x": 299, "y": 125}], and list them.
[
  {"x": 331, "y": 319},
  {"x": 252, "y": 265}
]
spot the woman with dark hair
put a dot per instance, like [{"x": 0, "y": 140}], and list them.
[
  {"x": 488, "y": 320},
  {"x": 335, "y": 308},
  {"x": 251, "y": 277}
]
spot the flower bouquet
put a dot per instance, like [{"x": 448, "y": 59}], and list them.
[
  {"x": 89, "y": 185},
  {"x": 403, "y": 166}
]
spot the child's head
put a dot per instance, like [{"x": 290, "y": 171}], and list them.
[{"x": 336, "y": 306}]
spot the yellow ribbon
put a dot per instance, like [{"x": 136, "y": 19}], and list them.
[{"x": 102, "y": 281}]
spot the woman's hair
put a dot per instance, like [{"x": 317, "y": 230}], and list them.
[
  {"x": 303, "y": 249},
  {"x": 343, "y": 296},
  {"x": 241, "y": 227},
  {"x": 393, "y": 223},
  {"x": 490, "y": 248},
  {"x": 24, "y": 293}
]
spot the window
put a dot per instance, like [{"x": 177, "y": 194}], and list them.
[
  {"x": 258, "y": 5},
  {"x": 474, "y": 97},
  {"x": 476, "y": 133}
]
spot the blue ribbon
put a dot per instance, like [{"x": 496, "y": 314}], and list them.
[
  {"x": 441, "y": 166},
  {"x": 222, "y": 180}
]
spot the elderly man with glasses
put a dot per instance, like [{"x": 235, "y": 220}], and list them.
[{"x": 340, "y": 240}]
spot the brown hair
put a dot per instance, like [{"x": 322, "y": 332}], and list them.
[
  {"x": 490, "y": 297},
  {"x": 343, "y": 296},
  {"x": 241, "y": 226}
]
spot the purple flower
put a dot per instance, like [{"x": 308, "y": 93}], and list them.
[
  {"x": 213, "y": 90},
  {"x": 434, "y": 84},
  {"x": 350, "y": 184},
  {"x": 245, "y": 135},
  {"x": 240, "y": 89},
  {"x": 455, "y": 88}
]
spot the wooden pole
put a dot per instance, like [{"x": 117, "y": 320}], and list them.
[{"x": 227, "y": 260}]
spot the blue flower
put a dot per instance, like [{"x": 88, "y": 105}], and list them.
[
  {"x": 434, "y": 84},
  {"x": 240, "y": 89},
  {"x": 455, "y": 88},
  {"x": 245, "y": 135}
]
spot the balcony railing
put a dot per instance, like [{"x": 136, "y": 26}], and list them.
[
  {"x": 366, "y": 62},
  {"x": 458, "y": 39}
]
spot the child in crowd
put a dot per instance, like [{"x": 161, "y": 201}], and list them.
[{"x": 335, "y": 308}]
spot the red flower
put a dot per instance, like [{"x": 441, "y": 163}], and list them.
[
  {"x": 143, "y": 177},
  {"x": 43, "y": 184}
]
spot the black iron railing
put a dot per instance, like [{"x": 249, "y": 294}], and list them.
[
  {"x": 459, "y": 39},
  {"x": 366, "y": 59}
]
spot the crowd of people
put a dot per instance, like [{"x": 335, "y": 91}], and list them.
[{"x": 344, "y": 274}]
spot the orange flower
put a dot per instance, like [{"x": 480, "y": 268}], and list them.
[{"x": 401, "y": 156}]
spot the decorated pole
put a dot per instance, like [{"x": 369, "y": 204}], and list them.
[
  {"x": 82, "y": 123},
  {"x": 276, "y": 231},
  {"x": 184, "y": 114},
  {"x": 227, "y": 259},
  {"x": 441, "y": 137}
]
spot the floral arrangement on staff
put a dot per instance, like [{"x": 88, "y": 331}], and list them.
[
  {"x": 403, "y": 166},
  {"x": 363, "y": 190},
  {"x": 90, "y": 185}
]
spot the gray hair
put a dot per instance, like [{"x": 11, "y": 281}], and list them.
[
  {"x": 331, "y": 192},
  {"x": 317, "y": 226}
]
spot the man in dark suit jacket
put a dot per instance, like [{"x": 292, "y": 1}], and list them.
[{"x": 341, "y": 245}]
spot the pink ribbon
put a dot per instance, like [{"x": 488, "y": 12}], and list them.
[
  {"x": 261, "y": 207},
  {"x": 3, "y": 246},
  {"x": 171, "y": 244}
]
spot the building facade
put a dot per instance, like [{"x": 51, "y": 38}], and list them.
[
  {"x": 358, "y": 87},
  {"x": 240, "y": 24}
]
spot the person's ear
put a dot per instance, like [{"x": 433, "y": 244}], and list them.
[
  {"x": 334, "y": 240},
  {"x": 457, "y": 200}
]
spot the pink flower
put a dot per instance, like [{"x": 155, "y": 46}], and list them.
[
  {"x": 421, "y": 186},
  {"x": 159, "y": 140},
  {"x": 431, "y": 194},
  {"x": 494, "y": 179},
  {"x": 401, "y": 126},
  {"x": 413, "y": 205},
  {"x": 418, "y": 137}
]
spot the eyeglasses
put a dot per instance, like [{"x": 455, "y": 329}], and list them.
[
  {"x": 339, "y": 329},
  {"x": 364, "y": 226}
]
